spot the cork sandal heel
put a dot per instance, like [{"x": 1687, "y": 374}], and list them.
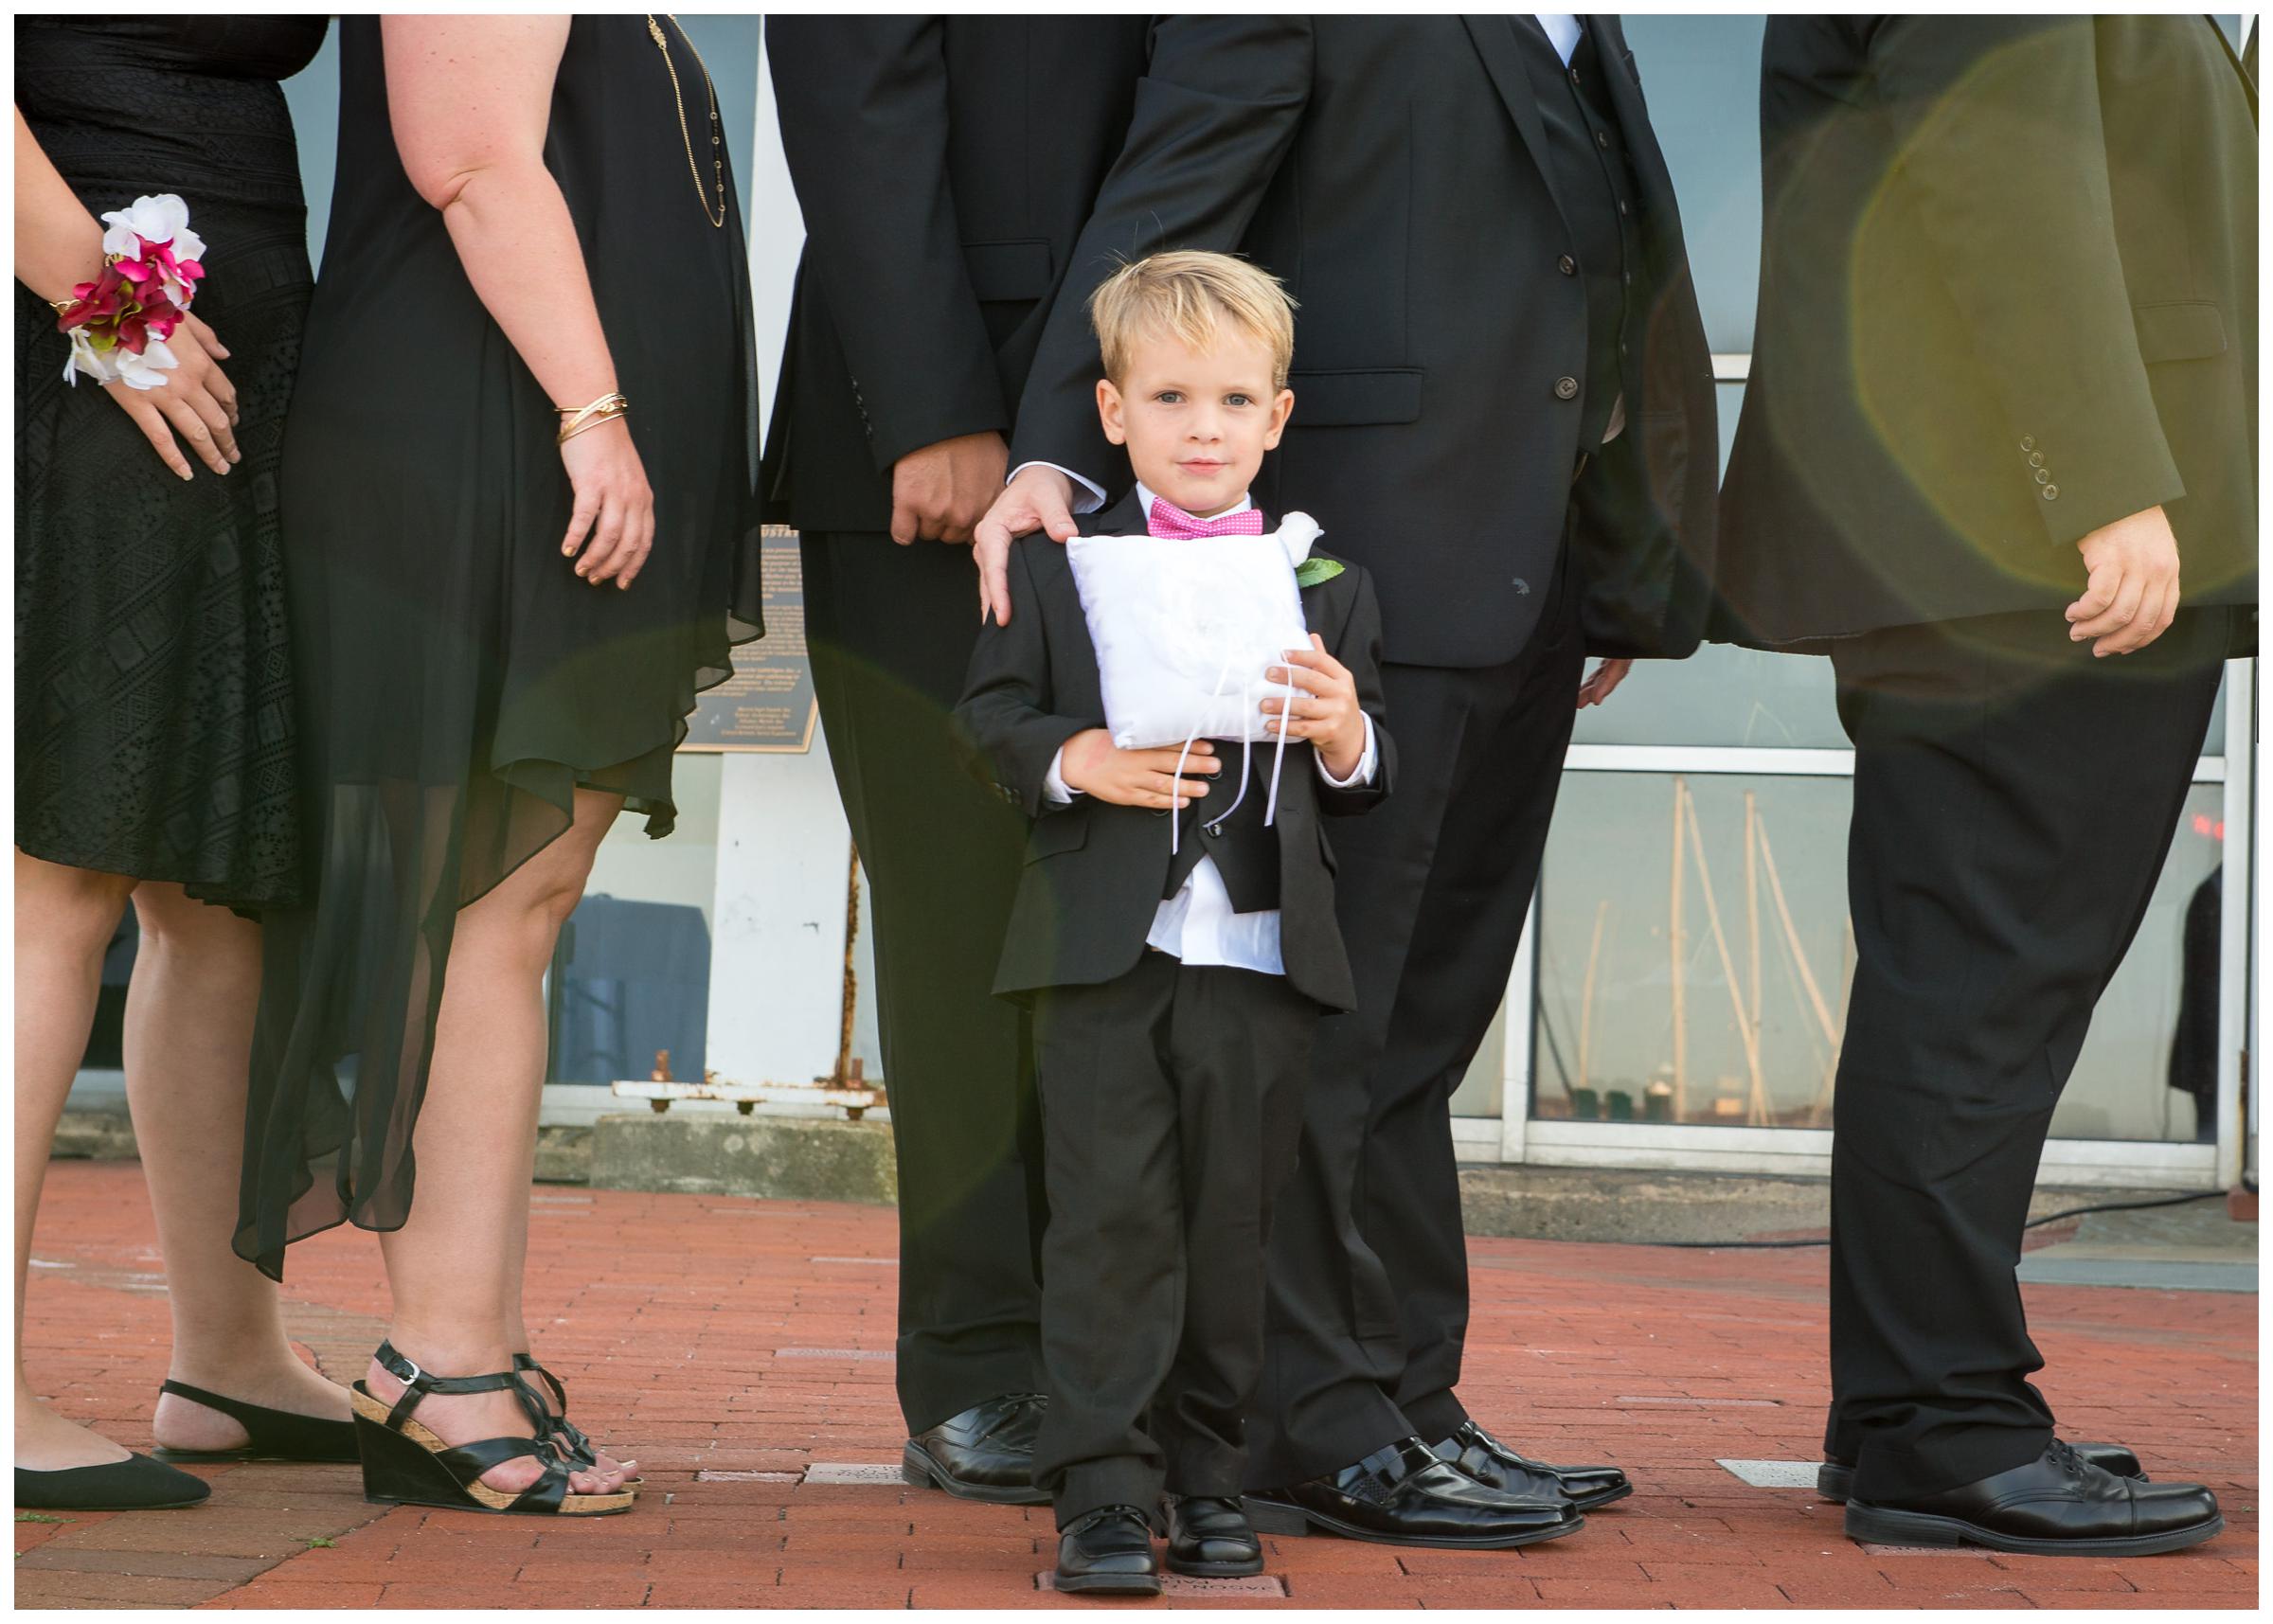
[{"x": 406, "y": 1463}]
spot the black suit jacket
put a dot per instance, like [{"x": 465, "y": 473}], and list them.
[
  {"x": 1094, "y": 871},
  {"x": 2008, "y": 293},
  {"x": 1392, "y": 172},
  {"x": 943, "y": 166}
]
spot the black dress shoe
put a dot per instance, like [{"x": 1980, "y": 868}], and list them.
[
  {"x": 987, "y": 1453},
  {"x": 1494, "y": 1464},
  {"x": 2057, "y": 1505},
  {"x": 136, "y": 1484},
  {"x": 269, "y": 1434},
  {"x": 1108, "y": 1552},
  {"x": 1835, "y": 1478},
  {"x": 1403, "y": 1495},
  {"x": 1210, "y": 1538}
]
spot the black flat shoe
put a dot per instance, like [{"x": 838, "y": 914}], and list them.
[
  {"x": 405, "y": 1464},
  {"x": 1108, "y": 1552},
  {"x": 1835, "y": 1479},
  {"x": 1494, "y": 1464},
  {"x": 269, "y": 1434},
  {"x": 1210, "y": 1537},
  {"x": 136, "y": 1484},
  {"x": 1402, "y": 1495},
  {"x": 2057, "y": 1505},
  {"x": 578, "y": 1450},
  {"x": 987, "y": 1453}
]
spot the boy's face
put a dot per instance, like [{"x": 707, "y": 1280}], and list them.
[{"x": 1196, "y": 424}]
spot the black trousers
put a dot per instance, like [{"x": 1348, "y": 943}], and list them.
[
  {"x": 1368, "y": 1304},
  {"x": 2014, "y": 799},
  {"x": 1172, "y": 1104},
  {"x": 890, "y": 630}
]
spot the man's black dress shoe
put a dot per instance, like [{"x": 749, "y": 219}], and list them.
[
  {"x": 1835, "y": 1478},
  {"x": 1494, "y": 1465},
  {"x": 987, "y": 1453},
  {"x": 2057, "y": 1505},
  {"x": 1108, "y": 1552},
  {"x": 1402, "y": 1495},
  {"x": 1211, "y": 1538}
]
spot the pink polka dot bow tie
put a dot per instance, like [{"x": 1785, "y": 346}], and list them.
[{"x": 1168, "y": 519}]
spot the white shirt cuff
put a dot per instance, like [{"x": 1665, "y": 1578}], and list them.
[
  {"x": 1361, "y": 774},
  {"x": 1053, "y": 782},
  {"x": 1088, "y": 498}
]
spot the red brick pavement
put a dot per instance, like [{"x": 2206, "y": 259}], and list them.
[{"x": 715, "y": 1339}]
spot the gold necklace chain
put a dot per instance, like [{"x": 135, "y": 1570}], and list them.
[{"x": 718, "y": 164}]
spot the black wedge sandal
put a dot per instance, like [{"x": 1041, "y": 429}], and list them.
[
  {"x": 405, "y": 1464},
  {"x": 580, "y": 1451},
  {"x": 270, "y": 1435}
]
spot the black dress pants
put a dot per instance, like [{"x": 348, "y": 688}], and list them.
[
  {"x": 2014, "y": 799},
  {"x": 1368, "y": 1306},
  {"x": 1172, "y": 1105},
  {"x": 890, "y": 630}
]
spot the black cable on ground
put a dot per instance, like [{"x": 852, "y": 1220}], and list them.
[{"x": 2032, "y": 1224}]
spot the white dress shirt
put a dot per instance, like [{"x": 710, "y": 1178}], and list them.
[
  {"x": 1561, "y": 32},
  {"x": 1198, "y": 924}
]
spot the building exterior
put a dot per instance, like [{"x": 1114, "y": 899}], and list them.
[{"x": 1678, "y": 999}]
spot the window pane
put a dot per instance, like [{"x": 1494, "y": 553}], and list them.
[{"x": 1605, "y": 1041}]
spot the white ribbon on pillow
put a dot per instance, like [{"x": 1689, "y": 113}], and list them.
[{"x": 1184, "y": 630}]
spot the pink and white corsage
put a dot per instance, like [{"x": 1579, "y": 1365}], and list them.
[{"x": 119, "y": 323}]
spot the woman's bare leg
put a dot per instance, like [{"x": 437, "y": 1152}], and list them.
[
  {"x": 65, "y": 921},
  {"x": 189, "y": 1043},
  {"x": 455, "y": 1265}
]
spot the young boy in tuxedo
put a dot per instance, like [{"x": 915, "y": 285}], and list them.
[{"x": 1174, "y": 995}]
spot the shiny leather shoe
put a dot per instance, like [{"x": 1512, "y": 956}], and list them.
[
  {"x": 1402, "y": 1495},
  {"x": 1108, "y": 1552},
  {"x": 1494, "y": 1465},
  {"x": 1835, "y": 1478},
  {"x": 987, "y": 1453},
  {"x": 2057, "y": 1505},
  {"x": 1210, "y": 1538}
]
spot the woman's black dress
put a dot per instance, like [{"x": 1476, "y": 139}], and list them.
[
  {"x": 458, "y": 682},
  {"x": 154, "y": 729}
]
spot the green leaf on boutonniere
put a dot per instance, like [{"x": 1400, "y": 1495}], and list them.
[{"x": 1314, "y": 571}]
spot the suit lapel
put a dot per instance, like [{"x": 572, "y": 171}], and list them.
[
  {"x": 1122, "y": 518},
  {"x": 1495, "y": 40}
]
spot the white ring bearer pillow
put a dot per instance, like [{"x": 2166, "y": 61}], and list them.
[{"x": 1185, "y": 629}]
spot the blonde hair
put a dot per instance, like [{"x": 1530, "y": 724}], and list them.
[{"x": 1188, "y": 294}]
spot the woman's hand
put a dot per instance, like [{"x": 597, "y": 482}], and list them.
[
  {"x": 1325, "y": 710},
  {"x": 615, "y": 509},
  {"x": 195, "y": 407}
]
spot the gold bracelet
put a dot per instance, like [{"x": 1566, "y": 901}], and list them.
[{"x": 577, "y": 418}]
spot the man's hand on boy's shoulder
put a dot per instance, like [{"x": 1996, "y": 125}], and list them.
[
  {"x": 1091, "y": 764},
  {"x": 1040, "y": 498}
]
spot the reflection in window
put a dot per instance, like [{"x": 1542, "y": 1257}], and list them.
[{"x": 1694, "y": 952}]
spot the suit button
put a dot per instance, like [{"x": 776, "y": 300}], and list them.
[
  {"x": 2044, "y": 476},
  {"x": 2035, "y": 459},
  {"x": 1212, "y": 831},
  {"x": 1566, "y": 389},
  {"x": 1569, "y": 266},
  {"x": 2052, "y": 494},
  {"x": 1602, "y": 139},
  {"x": 2028, "y": 442}
]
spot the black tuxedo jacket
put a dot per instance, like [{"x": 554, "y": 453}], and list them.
[
  {"x": 1394, "y": 172},
  {"x": 943, "y": 166},
  {"x": 1095, "y": 872},
  {"x": 2008, "y": 293}
]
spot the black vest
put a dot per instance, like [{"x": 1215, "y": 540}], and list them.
[
  {"x": 1244, "y": 850},
  {"x": 1592, "y": 180}
]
